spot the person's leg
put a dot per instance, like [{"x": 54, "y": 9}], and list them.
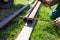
[{"x": 56, "y": 13}]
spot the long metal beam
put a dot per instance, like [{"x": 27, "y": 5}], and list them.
[
  {"x": 34, "y": 12},
  {"x": 8, "y": 19},
  {"x": 27, "y": 30}
]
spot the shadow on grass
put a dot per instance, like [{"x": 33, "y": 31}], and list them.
[
  {"x": 57, "y": 30},
  {"x": 54, "y": 30}
]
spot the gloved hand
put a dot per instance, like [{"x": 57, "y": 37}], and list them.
[{"x": 57, "y": 22}]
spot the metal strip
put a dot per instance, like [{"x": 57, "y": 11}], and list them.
[{"x": 26, "y": 31}]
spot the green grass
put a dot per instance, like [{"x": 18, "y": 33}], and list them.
[
  {"x": 14, "y": 28},
  {"x": 21, "y": 2},
  {"x": 44, "y": 30}
]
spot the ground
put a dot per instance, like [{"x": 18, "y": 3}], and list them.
[
  {"x": 14, "y": 27},
  {"x": 45, "y": 30}
]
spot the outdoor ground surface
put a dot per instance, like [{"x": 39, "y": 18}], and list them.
[
  {"x": 15, "y": 26},
  {"x": 44, "y": 30}
]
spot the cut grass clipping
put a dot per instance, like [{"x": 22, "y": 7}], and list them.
[{"x": 45, "y": 30}]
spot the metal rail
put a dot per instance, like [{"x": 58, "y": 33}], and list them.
[
  {"x": 27, "y": 30},
  {"x": 8, "y": 19},
  {"x": 30, "y": 16},
  {"x": 29, "y": 11},
  {"x": 33, "y": 13}
]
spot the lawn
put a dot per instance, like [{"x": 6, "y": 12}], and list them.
[{"x": 45, "y": 30}]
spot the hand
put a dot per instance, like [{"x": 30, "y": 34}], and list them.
[{"x": 57, "y": 22}]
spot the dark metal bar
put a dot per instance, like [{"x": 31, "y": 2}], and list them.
[{"x": 8, "y": 19}]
